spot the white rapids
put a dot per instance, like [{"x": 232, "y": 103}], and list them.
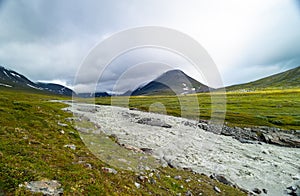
[{"x": 250, "y": 166}]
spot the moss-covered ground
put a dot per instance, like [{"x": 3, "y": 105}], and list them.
[{"x": 32, "y": 148}]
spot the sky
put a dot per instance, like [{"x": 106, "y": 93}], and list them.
[{"x": 247, "y": 40}]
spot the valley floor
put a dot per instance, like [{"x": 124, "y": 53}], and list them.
[{"x": 176, "y": 142}]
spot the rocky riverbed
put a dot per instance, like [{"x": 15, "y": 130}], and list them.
[{"x": 248, "y": 162}]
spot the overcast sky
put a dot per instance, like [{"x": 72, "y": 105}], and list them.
[{"x": 249, "y": 39}]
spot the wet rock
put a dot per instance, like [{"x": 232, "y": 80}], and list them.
[
  {"x": 189, "y": 124},
  {"x": 46, "y": 187},
  {"x": 217, "y": 189},
  {"x": 109, "y": 170},
  {"x": 292, "y": 188},
  {"x": 147, "y": 150},
  {"x": 153, "y": 122},
  {"x": 257, "y": 191},
  {"x": 221, "y": 179},
  {"x": 255, "y": 135},
  {"x": 72, "y": 146},
  {"x": 297, "y": 177},
  {"x": 203, "y": 126},
  {"x": 265, "y": 191}
]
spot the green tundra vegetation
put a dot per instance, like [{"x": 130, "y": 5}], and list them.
[
  {"x": 274, "y": 108},
  {"x": 32, "y": 148}
]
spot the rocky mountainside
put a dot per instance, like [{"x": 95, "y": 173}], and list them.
[
  {"x": 170, "y": 83},
  {"x": 15, "y": 80},
  {"x": 56, "y": 88},
  {"x": 284, "y": 80}
]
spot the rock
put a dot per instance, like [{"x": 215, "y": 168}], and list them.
[
  {"x": 203, "y": 126},
  {"x": 188, "y": 193},
  {"x": 217, "y": 189},
  {"x": 189, "y": 124},
  {"x": 152, "y": 181},
  {"x": 143, "y": 178},
  {"x": 177, "y": 177},
  {"x": 109, "y": 170},
  {"x": 187, "y": 180},
  {"x": 265, "y": 191},
  {"x": 158, "y": 176},
  {"x": 129, "y": 147},
  {"x": 222, "y": 179},
  {"x": 147, "y": 150},
  {"x": 292, "y": 188},
  {"x": 137, "y": 185},
  {"x": 62, "y": 124},
  {"x": 271, "y": 135},
  {"x": 88, "y": 165},
  {"x": 256, "y": 190},
  {"x": 244, "y": 141},
  {"x": 297, "y": 177},
  {"x": 153, "y": 122},
  {"x": 46, "y": 187},
  {"x": 72, "y": 146}
]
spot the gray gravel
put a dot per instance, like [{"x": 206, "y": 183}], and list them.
[{"x": 249, "y": 166}]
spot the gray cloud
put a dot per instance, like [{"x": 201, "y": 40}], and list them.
[{"x": 48, "y": 40}]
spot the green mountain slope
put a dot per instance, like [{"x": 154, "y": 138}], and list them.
[{"x": 284, "y": 80}]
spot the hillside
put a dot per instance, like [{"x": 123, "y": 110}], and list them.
[
  {"x": 285, "y": 80},
  {"x": 14, "y": 80},
  {"x": 171, "y": 83}
]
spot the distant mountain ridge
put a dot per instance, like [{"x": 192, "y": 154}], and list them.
[
  {"x": 173, "y": 82},
  {"x": 15, "y": 80},
  {"x": 283, "y": 80},
  {"x": 170, "y": 83}
]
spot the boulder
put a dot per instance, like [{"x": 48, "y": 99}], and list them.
[
  {"x": 46, "y": 187},
  {"x": 153, "y": 122}
]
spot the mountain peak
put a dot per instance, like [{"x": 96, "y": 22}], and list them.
[{"x": 172, "y": 82}]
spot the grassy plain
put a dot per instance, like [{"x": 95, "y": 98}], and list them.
[
  {"x": 274, "y": 108},
  {"x": 32, "y": 148}
]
